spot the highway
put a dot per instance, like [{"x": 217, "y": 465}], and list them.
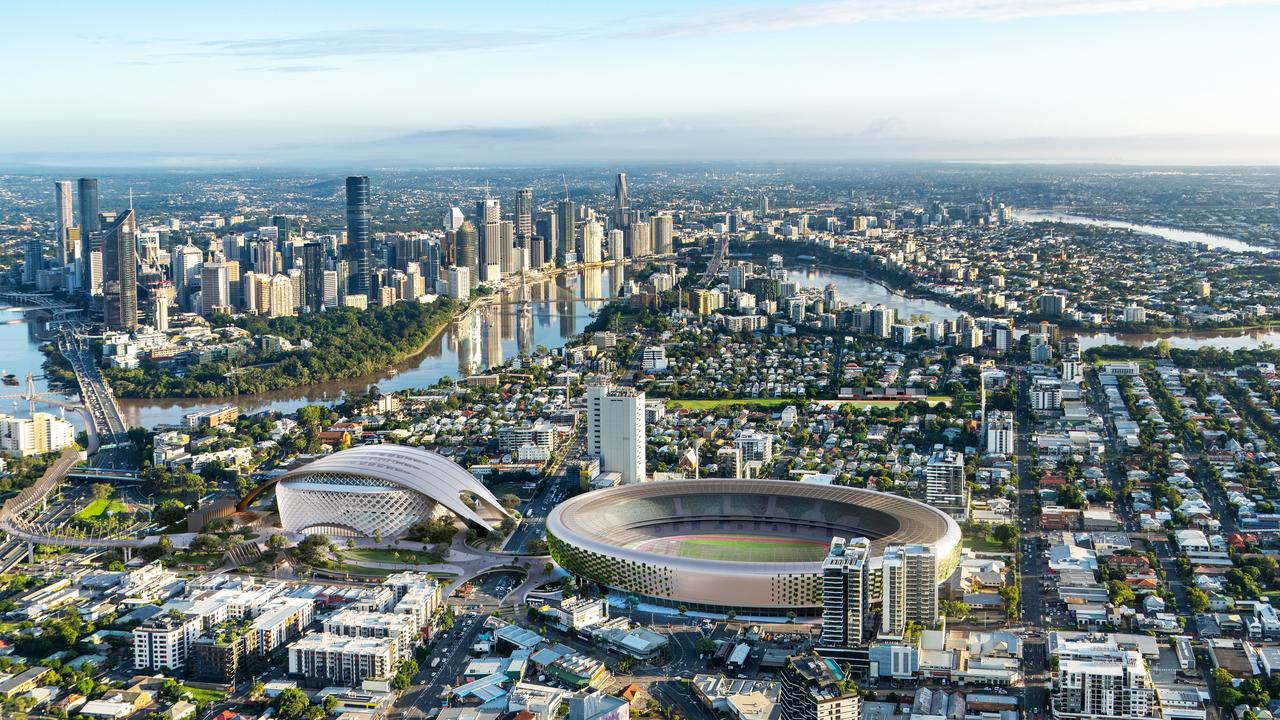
[
  {"x": 718, "y": 255},
  {"x": 108, "y": 425},
  {"x": 1031, "y": 560}
]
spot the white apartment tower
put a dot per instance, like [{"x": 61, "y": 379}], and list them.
[
  {"x": 909, "y": 586},
  {"x": 945, "y": 486},
  {"x": 616, "y": 430}
]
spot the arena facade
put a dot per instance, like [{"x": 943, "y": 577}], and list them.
[
  {"x": 751, "y": 546},
  {"x": 382, "y": 488}
]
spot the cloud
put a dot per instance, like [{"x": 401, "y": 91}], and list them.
[
  {"x": 767, "y": 18},
  {"x": 291, "y": 68},
  {"x": 366, "y": 42}
]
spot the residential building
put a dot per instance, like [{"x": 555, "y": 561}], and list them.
[
  {"x": 945, "y": 486},
  {"x": 846, "y": 598},
  {"x": 328, "y": 659},
  {"x": 909, "y": 588},
  {"x": 814, "y": 689},
  {"x": 616, "y": 430}
]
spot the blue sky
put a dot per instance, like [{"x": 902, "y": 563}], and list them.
[{"x": 430, "y": 83}]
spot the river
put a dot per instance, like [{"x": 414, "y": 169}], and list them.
[
  {"x": 1220, "y": 242},
  {"x": 559, "y": 308}
]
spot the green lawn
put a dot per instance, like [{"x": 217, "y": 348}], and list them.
[
  {"x": 931, "y": 399},
  {"x": 983, "y": 544},
  {"x": 726, "y": 402},
  {"x": 750, "y": 549},
  {"x": 199, "y": 696},
  {"x": 339, "y": 568},
  {"x": 197, "y": 559},
  {"x": 388, "y": 556},
  {"x": 100, "y": 507}
]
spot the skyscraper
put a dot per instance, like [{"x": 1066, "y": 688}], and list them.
[
  {"x": 945, "y": 486},
  {"x": 592, "y": 233},
  {"x": 453, "y": 218},
  {"x": 566, "y": 221},
  {"x": 185, "y": 268},
  {"x": 120, "y": 272},
  {"x": 662, "y": 232},
  {"x": 524, "y": 213},
  {"x": 616, "y": 431},
  {"x": 620, "y": 201},
  {"x": 909, "y": 587},
  {"x": 846, "y": 592},
  {"x": 215, "y": 286},
  {"x": 313, "y": 270},
  {"x": 468, "y": 250},
  {"x": 90, "y": 226},
  {"x": 546, "y": 228},
  {"x": 358, "y": 220},
  {"x": 63, "y": 221}
]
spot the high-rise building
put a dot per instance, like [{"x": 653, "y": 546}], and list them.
[
  {"x": 160, "y": 311},
  {"x": 566, "y": 224},
  {"x": 215, "y": 286},
  {"x": 846, "y": 592},
  {"x": 313, "y": 271},
  {"x": 459, "y": 282},
  {"x": 592, "y": 233},
  {"x": 620, "y": 200},
  {"x": 63, "y": 221},
  {"x": 491, "y": 251},
  {"x": 1001, "y": 438},
  {"x": 547, "y": 230},
  {"x": 909, "y": 588},
  {"x": 120, "y": 272},
  {"x": 616, "y": 430},
  {"x": 524, "y": 212},
  {"x": 331, "y": 288},
  {"x": 663, "y": 234},
  {"x": 90, "y": 228},
  {"x": 358, "y": 220},
  {"x": 468, "y": 250},
  {"x": 945, "y": 486},
  {"x": 185, "y": 267},
  {"x": 453, "y": 219},
  {"x": 282, "y": 297},
  {"x": 1098, "y": 679},
  {"x": 616, "y": 244},
  {"x": 814, "y": 689}
]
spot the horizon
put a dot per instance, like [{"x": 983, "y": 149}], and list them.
[{"x": 399, "y": 85}]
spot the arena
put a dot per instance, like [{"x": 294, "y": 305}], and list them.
[
  {"x": 380, "y": 488},
  {"x": 752, "y": 546}
]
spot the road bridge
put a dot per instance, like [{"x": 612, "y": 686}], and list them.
[{"x": 718, "y": 254}]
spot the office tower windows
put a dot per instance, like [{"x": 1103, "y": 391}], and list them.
[
  {"x": 945, "y": 486},
  {"x": 313, "y": 268},
  {"x": 120, "y": 272},
  {"x": 620, "y": 192},
  {"x": 215, "y": 290},
  {"x": 468, "y": 250},
  {"x": 524, "y": 212},
  {"x": 566, "y": 223},
  {"x": 63, "y": 221},
  {"x": 358, "y": 220},
  {"x": 592, "y": 233},
  {"x": 90, "y": 228},
  {"x": 546, "y": 229}
]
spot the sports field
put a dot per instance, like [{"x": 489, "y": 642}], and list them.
[{"x": 737, "y": 548}]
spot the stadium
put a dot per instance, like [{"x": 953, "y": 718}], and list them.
[
  {"x": 751, "y": 546},
  {"x": 379, "y": 488}
]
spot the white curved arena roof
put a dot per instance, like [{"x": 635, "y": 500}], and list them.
[{"x": 423, "y": 471}]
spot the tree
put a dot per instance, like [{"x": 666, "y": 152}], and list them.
[
  {"x": 731, "y": 616},
  {"x": 1006, "y": 534},
  {"x": 257, "y": 688},
  {"x": 277, "y": 542},
  {"x": 377, "y": 537},
  {"x": 170, "y": 511},
  {"x": 291, "y": 704},
  {"x": 1119, "y": 593},
  {"x": 101, "y": 491},
  {"x": 1198, "y": 599},
  {"x": 704, "y": 645},
  {"x": 955, "y": 609}
]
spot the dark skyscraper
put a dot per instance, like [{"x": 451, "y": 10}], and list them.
[
  {"x": 546, "y": 229},
  {"x": 89, "y": 228},
  {"x": 120, "y": 272},
  {"x": 565, "y": 221},
  {"x": 358, "y": 234},
  {"x": 467, "y": 249},
  {"x": 313, "y": 275},
  {"x": 620, "y": 192}
]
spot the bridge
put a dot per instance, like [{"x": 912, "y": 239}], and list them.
[
  {"x": 108, "y": 422},
  {"x": 14, "y": 523},
  {"x": 718, "y": 255},
  {"x": 43, "y": 301}
]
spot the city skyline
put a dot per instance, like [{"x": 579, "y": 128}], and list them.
[{"x": 1066, "y": 80}]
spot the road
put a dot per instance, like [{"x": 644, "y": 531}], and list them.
[
  {"x": 1031, "y": 560},
  {"x": 453, "y": 649},
  {"x": 533, "y": 514},
  {"x": 109, "y": 425}
]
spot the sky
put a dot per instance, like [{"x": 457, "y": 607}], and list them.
[{"x": 435, "y": 84}]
